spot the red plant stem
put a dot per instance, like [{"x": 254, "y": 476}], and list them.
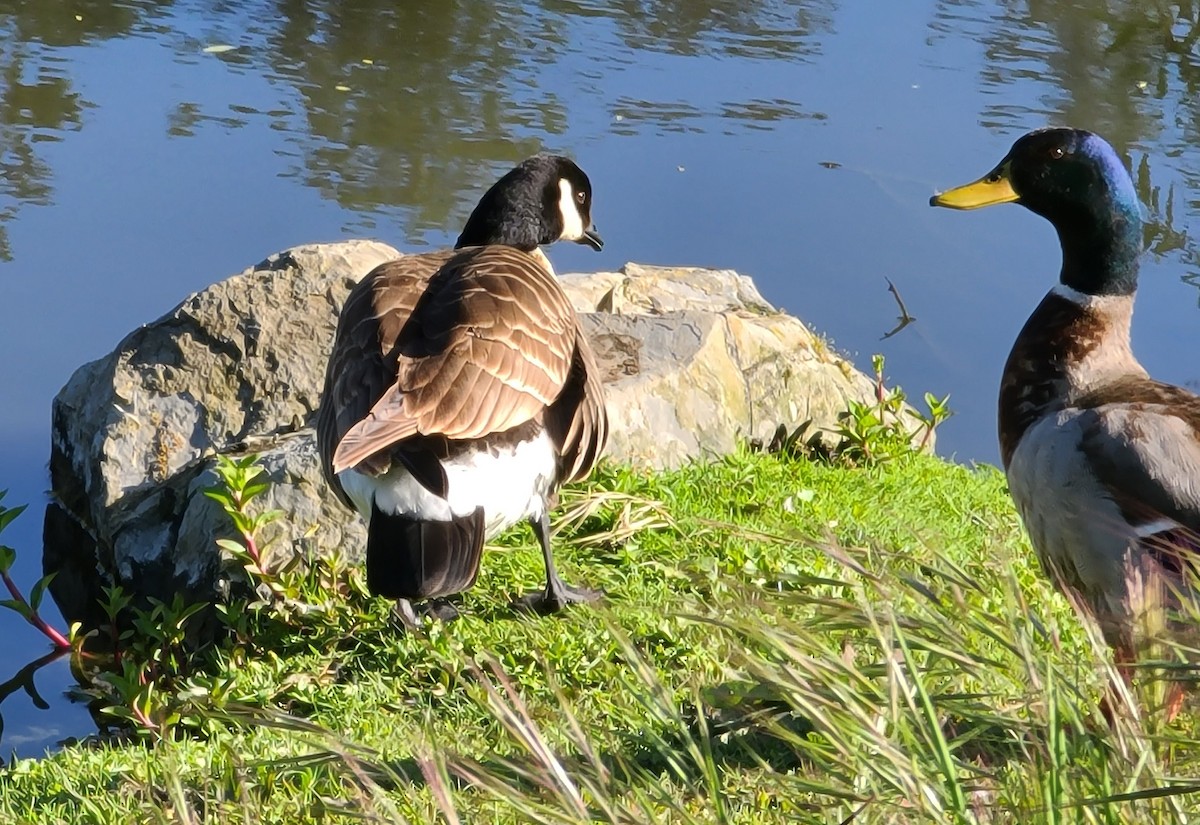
[
  {"x": 60, "y": 641},
  {"x": 144, "y": 720},
  {"x": 925, "y": 438},
  {"x": 252, "y": 548}
]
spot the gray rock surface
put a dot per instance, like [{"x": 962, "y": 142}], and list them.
[{"x": 694, "y": 361}]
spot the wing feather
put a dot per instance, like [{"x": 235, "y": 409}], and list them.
[
  {"x": 457, "y": 345},
  {"x": 361, "y": 365},
  {"x": 578, "y": 420},
  {"x": 1145, "y": 449}
]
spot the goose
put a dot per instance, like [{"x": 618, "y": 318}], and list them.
[
  {"x": 1103, "y": 461},
  {"x": 460, "y": 393}
]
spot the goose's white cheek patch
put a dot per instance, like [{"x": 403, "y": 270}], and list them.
[{"x": 572, "y": 221}]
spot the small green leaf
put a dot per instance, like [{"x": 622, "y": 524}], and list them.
[
  {"x": 266, "y": 518},
  {"x": 218, "y": 494},
  {"x": 8, "y": 514},
  {"x": 119, "y": 712},
  {"x": 232, "y": 546},
  {"x": 18, "y": 607},
  {"x": 255, "y": 488},
  {"x": 39, "y": 590}
]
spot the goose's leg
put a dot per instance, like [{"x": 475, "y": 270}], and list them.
[
  {"x": 410, "y": 615},
  {"x": 404, "y": 612},
  {"x": 558, "y": 594}
]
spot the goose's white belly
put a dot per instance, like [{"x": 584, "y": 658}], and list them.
[{"x": 511, "y": 483}]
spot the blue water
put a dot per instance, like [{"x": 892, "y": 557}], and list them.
[{"x": 796, "y": 142}]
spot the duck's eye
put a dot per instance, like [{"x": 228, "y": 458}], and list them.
[
  {"x": 993, "y": 178},
  {"x": 580, "y": 197},
  {"x": 1056, "y": 153}
]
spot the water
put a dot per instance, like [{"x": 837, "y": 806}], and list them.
[{"x": 797, "y": 142}]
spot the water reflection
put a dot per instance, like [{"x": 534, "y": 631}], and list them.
[
  {"x": 404, "y": 105},
  {"x": 731, "y": 28},
  {"x": 1100, "y": 64},
  {"x": 36, "y": 102},
  {"x": 445, "y": 95},
  {"x": 410, "y": 104},
  {"x": 631, "y": 115},
  {"x": 22, "y": 680},
  {"x": 399, "y": 105}
]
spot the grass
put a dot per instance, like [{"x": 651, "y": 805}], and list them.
[{"x": 784, "y": 641}]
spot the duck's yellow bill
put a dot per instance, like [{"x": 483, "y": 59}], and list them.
[{"x": 987, "y": 191}]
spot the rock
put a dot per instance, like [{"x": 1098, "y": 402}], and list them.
[
  {"x": 239, "y": 365},
  {"x": 694, "y": 361}
]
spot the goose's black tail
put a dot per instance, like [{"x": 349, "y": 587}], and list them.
[{"x": 412, "y": 558}]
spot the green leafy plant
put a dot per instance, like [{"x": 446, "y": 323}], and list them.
[
  {"x": 241, "y": 482},
  {"x": 151, "y": 661},
  {"x": 156, "y": 670},
  {"x": 114, "y": 604},
  {"x": 881, "y": 431},
  {"x": 28, "y": 608},
  {"x": 867, "y": 433},
  {"x": 159, "y": 679},
  {"x": 304, "y": 585}
]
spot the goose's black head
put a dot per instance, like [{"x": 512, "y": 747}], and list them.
[
  {"x": 1075, "y": 180},
  {"x": 546, "y": 198}
]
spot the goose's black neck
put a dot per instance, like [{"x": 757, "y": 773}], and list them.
[
  {"x": 515, "y": 211},
  {"x": 504, "y": 225}
]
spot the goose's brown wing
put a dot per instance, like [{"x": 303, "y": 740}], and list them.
[
  {"x": 485, "y": 345},
  {"x": 361, "y": 367},
  {"x": 577, "y": 420}
]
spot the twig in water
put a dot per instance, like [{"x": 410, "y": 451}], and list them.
[{"x": 903, "y": 318}]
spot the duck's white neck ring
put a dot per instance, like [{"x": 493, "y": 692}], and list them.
[{"x": 1083, "y": 299}]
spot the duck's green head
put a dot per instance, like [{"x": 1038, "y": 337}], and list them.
[{"x": 1075, "y": 180}]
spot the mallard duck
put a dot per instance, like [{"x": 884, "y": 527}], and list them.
[
  {"x": 1103, "y": 462},
  {"x": 461, "y": 392}
]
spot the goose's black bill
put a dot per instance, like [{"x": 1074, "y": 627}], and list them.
[{"x": 592, "y": 238}]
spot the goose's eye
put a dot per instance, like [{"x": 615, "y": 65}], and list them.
[
  {"x": 580, "y": 197},
  {"x": 1056, "y": 153}
]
